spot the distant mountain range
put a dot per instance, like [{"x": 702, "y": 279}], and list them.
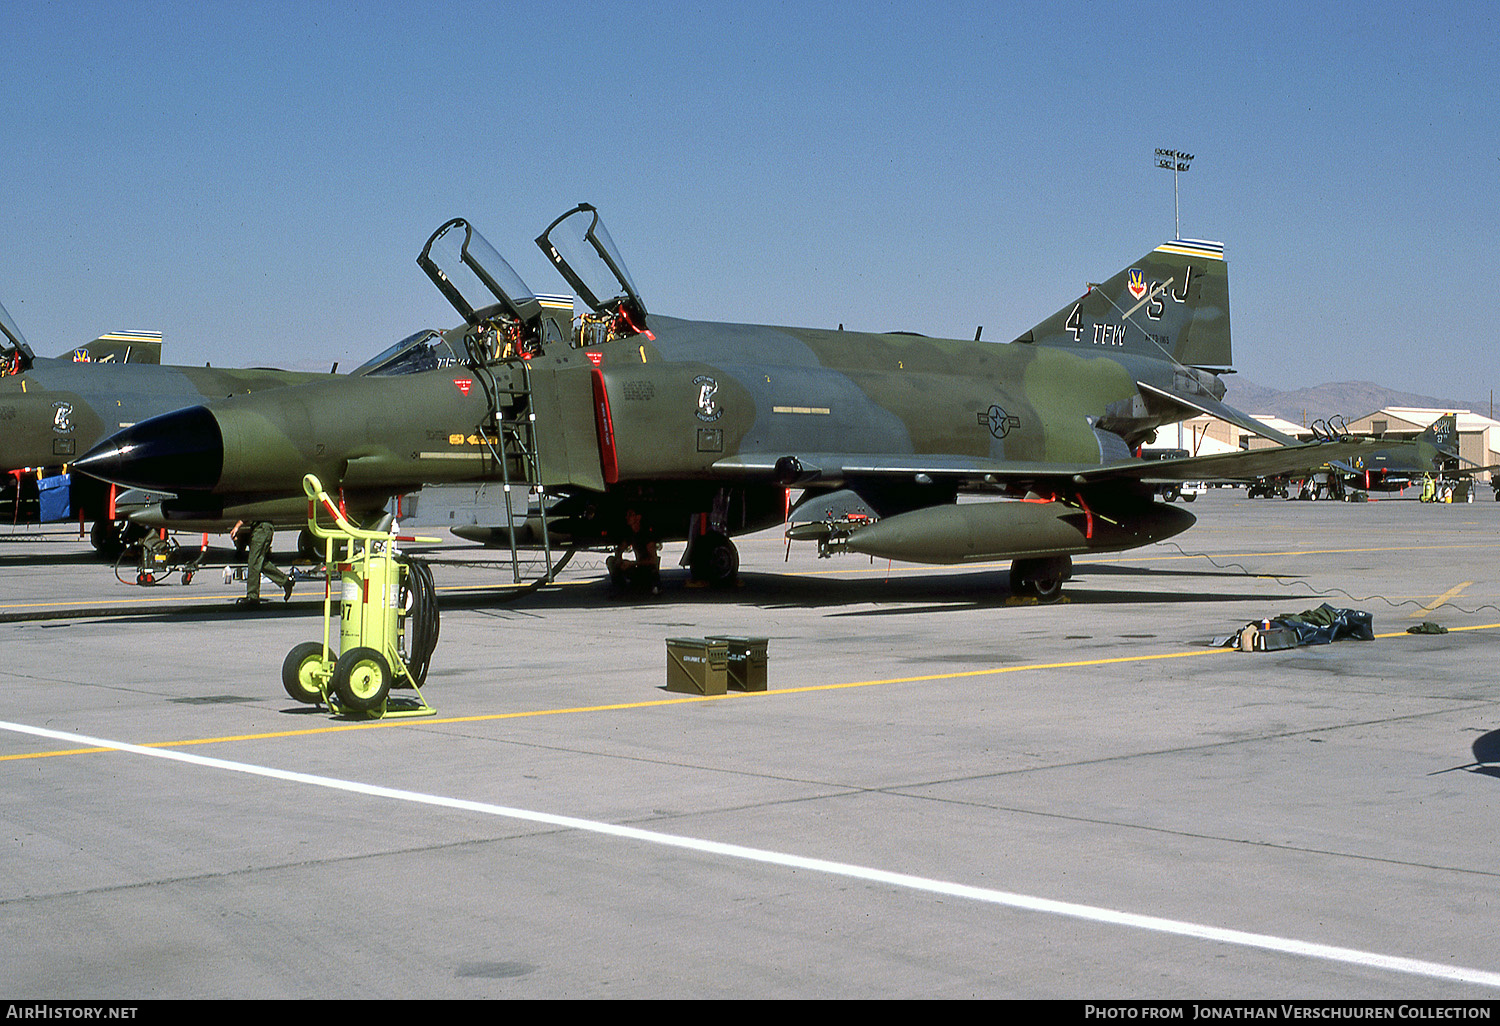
[{"x": 1349, "y": 399}]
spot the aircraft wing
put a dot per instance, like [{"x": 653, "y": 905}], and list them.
[
  {"x": 1245, "y": 465},
  {"x": 831, "y": 468}
]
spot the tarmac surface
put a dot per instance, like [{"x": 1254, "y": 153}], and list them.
[{"x": 945, "y": 792}]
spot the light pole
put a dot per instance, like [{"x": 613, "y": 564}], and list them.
[{"x": 1175, "y": 161}]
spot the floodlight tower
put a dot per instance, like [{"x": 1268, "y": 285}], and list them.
[{"x": 1175, "y": 161}]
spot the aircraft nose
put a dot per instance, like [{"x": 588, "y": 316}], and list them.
[{"x": 176, "y": 452}]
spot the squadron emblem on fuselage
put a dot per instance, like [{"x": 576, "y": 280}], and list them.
[{"x": 708, "y": 407}]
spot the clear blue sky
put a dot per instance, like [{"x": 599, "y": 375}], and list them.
[{"x": 256, "y": 179}]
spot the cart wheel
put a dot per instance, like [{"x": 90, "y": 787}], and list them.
[
  {"x": 361, "y": 679},
  {"x": 187, "y": 577},
  {"x": 297, "y": 672}
]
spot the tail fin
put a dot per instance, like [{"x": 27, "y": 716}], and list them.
[
  {"x": 1174, "y": 301},
  {"x": 121, "y": 347},
  {"x": 1439, "y": 440}
]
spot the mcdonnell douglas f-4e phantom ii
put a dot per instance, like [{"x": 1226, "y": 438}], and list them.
[{"x": 701, "y": 429}]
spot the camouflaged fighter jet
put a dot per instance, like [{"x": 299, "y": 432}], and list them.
[
  {"x": 698, "y": 431},
  {"x": 53, "y": 409},
  {"x": 1397, "y": 464}
]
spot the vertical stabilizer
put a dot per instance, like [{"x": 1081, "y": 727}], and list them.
[
  {"x": 121, "y": 347},
  {"x": 1440, "y": 440},
  {"x": 1172, "y": 302}
]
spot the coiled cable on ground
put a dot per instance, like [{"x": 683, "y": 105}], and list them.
[
  {"x": 1319, "y": 592},
  {"x": 423, "y": 620}
]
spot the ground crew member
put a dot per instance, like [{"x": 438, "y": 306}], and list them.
[
  {"x": 260, "y": 534},
  {"x": 641, "y": 569}
]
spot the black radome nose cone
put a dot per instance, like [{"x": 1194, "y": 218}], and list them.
[{"x": 182, "y": 451}]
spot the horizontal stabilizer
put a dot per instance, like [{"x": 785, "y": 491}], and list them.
[{"x": 1223, "y": 411}]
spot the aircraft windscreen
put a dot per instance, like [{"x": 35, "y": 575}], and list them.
[
  {"x": 583, "y": 245},
  {"x": 474, "y": 276},
  {"x": 426, "y": 350}
]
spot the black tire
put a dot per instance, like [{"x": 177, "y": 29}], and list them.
[
  {"x": 361, "y": 679},
  {"x": 1041, "y": 579},
  {"x": 104, "y": 536},
  {"x": 294, "y": 672},
  {"x": 309, "y": 546},
  {"x": 715, "y": 560},
  {"x": 1047, "y": 589}
]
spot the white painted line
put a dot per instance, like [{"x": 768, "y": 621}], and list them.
[{"x": 1267, "y": 942}]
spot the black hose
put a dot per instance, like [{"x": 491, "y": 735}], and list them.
[{"x": 422, "y": 623}]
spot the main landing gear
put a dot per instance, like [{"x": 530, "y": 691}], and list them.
[
  {"x": 1042, "y": 578},
  {"x": 713, "y": 560}
]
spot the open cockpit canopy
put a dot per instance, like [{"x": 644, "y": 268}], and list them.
[
  {"x": 15, "y": 354},
  {"x": 584, "y": 254},
  {"x": 475, "y": 277}
]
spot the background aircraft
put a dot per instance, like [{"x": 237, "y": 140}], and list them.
[
  {"x": 1397, "y": 465},
  {"x": 1391, "y": 465},
  {"x": 701, "y": 428}
]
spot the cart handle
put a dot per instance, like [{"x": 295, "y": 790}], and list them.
[{"x": 315, "y": 495}]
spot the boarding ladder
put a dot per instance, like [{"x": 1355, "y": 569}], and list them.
[{"x": 511, "y": 425}]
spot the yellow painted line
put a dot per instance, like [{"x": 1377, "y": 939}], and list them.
[
  {"x": 1452, "y": 592},
  {"x": 335, "y": 728}
]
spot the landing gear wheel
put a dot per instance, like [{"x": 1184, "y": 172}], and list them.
[
  {"x": 715, "y": 561},
  {"x": 104, "y": 536},
  {"x": 297, "y": 672},
  {"x": 1041, "y": 578},
  {"x": 362, "y": 679},
  {"x": 113, "y": 538},
  {"x": 308, "y": 546}
]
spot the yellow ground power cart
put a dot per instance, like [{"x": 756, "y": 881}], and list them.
[{"x": 388, "y": 621}]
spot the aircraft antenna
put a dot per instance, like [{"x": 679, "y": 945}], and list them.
[{"x": 1176, "y": 162}]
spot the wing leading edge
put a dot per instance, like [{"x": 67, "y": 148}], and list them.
[{"x": 801, "y": 469}]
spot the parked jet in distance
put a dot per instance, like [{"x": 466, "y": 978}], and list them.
[
  {"x": 1399, "y": 464},
  {"x": 696, "y": 430},
  {"x": 1392, "y": 465}
]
